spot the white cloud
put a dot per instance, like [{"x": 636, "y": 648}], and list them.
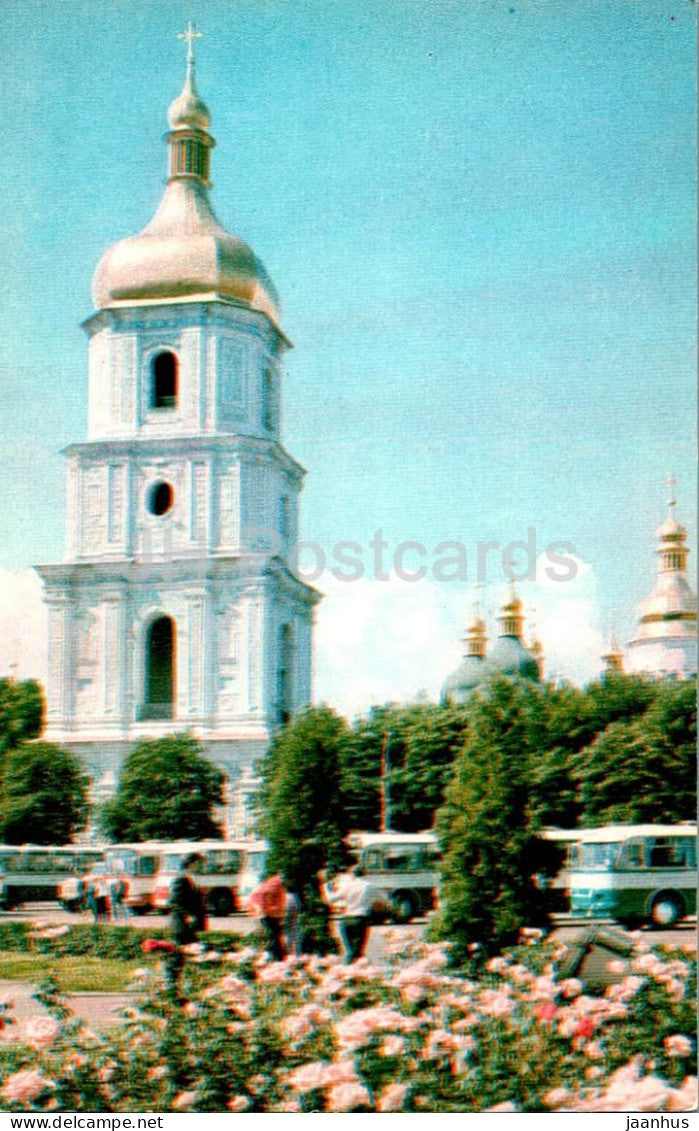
[
  {"x": 381, "y": 641},
  {"x": 22, "y": 625}
]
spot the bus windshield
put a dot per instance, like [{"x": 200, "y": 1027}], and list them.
[{"x": 597, "y": 856}]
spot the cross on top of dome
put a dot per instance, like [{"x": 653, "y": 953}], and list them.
[{"x": 189, "y": 36}]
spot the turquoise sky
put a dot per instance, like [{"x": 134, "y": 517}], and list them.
[{"x": 479, "y": 215}]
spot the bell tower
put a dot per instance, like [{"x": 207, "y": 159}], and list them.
[{"x": 177, "y": 606}]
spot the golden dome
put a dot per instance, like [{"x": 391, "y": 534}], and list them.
[{"x": 185, "y": 250}]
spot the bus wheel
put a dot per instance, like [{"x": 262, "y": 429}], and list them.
[
  {"x": 402, "y": 907},
  {"x": 221, "y": 902},
  {"x": 666, "y": 910}
]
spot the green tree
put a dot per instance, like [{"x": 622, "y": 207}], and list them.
[
  {"x": 644, "y": 770},
  {"x": 43, "y": 794},
  {"x": 167, "y": 790},
  {"x": 302, "y": 812},
  {"x": 417, "y": 744},
  {"x": 490, "y": 851},
  {"x": 22, "y": 709}
]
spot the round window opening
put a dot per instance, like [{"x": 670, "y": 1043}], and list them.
[{"x": 161, "y": 498}]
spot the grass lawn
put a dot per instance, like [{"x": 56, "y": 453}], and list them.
[{"x": 74, "y": 974}]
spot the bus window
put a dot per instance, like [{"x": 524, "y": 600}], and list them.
[
  {"x": 631, "y": 855},
  {"x": 402, "y": 858},
  {"x": 372, "y": 860},
  {"x": 668, "y": 852},
  {"x": 597, "y": 856},
  {"x": 148, "y": 865}
]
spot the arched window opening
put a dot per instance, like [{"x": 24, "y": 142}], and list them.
[
  {"x": 160, "y": 498},
  {"x": 159, "y": 698},
  {"x": 284, "y": 523},
  {"x": 285, "y": 688},
  {"x": 268, "y": 400},
  {"x": 164, "y": 383}
]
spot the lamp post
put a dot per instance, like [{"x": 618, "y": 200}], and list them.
[{"x": 385, "y": 782}]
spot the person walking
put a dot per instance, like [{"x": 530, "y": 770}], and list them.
[
  {"x": 118, "y": 892},
  {"x": 188, "y": 915},
  {"x": 355, "y": 899},
  {"x": 269, "y": 901},
  {"x": 96, "y": 898}
]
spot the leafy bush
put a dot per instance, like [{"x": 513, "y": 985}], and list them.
[{"x": 310, "y": 1034}]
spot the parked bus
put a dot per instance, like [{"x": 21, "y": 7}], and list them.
[
  {"x": 217, "y": 872},
  {"x": 635, "y": 874},
  {"x": 403, "y": 867},
  {"x": 138, "y": 863},
  {"x": 32, "y": 872},
  {"x": 557, "y": 886}
]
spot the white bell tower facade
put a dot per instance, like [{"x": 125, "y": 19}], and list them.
[{"x": 178, "y": 606}]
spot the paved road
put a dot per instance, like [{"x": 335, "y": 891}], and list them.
[{"x": 566, "y": 926}]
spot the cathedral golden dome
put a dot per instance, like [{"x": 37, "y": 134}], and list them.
[{"x": 184, "y": 250}]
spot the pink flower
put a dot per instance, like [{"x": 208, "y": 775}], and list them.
[
  {"x": 296, "y": 1026},
  {"x": 571, "y": 987},
  {"x": 546, "y": 1011},
  {"x": 496, "y": 1003},
  {"x": 556, "y": 1098},
  {"x": 184, "y": 1099},
  {"x": 616, "y": 966},
  {"x": 678, "y": 1045},
  {"x": 346, "y": 1097},
  {"x": 190, "y": 1009},
  {"x": 685, "y": 1097},
  {"x": 495, "y": 965},
  {"x": 308, "y": 1077},
  {"x": 392, "y": 1097},
  {"x": 238, "y": 1103},
  {"x": 340, "y": 1072},
  {"x": 504, "y": 1107},
  {"x": 392, "y": 1046},
  {"x": 593, "y": 1050},
  {"x": 41, "y": 1032},
  {"x": 25, "y": 1086}
]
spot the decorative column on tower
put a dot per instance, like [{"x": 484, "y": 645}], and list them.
[
  {"x": 665, "y": 643},
  {"x": 177, "y": 606}
]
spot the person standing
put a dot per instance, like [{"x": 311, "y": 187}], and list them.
[
  {"x": 269, "y": 902},
  {"x": 118, "y": 892},
  {"x": 188, "y": 914},
  {"x": 354, "y": 898}
]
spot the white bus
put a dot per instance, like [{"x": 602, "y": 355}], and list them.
[
  {"x": 138, "y": 863},
  {"x": 635, "y": 874},
  {"x": 35, "y": 872},
  {"x": 217, "y": 873},
  {"x": 404, "y": 867}
]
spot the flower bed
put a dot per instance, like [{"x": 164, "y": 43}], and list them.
[
  {"x": 414, "y": 1035},
  {"x": 103, "y": 940}
]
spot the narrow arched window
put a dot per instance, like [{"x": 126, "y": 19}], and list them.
[
  {"x": 159, "y": 697},
  {"x": 164, "y": 381},
  {"x": 285, "y": 684}
]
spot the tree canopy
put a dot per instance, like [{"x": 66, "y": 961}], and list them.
[
  {"x": 490, "y": 849},
  {"x": 43, "y": 794},
  {"x": 22, "y": 709},
  {"x": 167, "y": 790},
  {"x": 304, "y": 817}
]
